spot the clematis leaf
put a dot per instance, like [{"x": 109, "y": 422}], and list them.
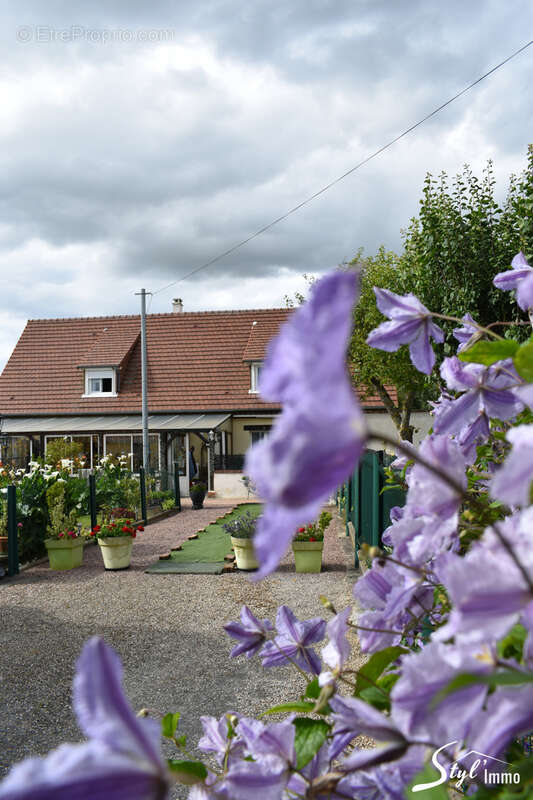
[
  {"x": 187, "y": 772},
  {"x": 376, "y": 698},
  {"x": 310, "y": 736},
  {"x": 169, "y": 725},
  {"x": 488, "y": 353},
  {"x": 301, "y": 706},
  {"x": 313, "y": 689},
  {"x": 523, "y": 361},
  {"x": 370, "y": 672},
  {"x": 512, "y": 645}
]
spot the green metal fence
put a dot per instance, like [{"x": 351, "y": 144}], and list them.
[{"x": 365, "y": 503}]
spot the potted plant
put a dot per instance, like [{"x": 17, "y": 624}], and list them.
[
  {"x": 241, "y": 531},
  {"x": 115, "y": 539},
  {"x": 65, "y": 549},
  {"x": 308, "y": 544},
  {"x": 197, "y": 492},
  {"x": 64, "y": 543}
]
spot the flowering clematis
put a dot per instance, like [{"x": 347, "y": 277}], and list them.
[
  {"x": 122, "y": 758},
  {"x": 468, "y": 334},
  {"x": 409, "y": 323},
  {"x": 336, "y": 652},
  {"x": 484, "y": 609},
  {"x": 512, "y": 482},
  {"x": 352, "y": 717},
  {"x": 250, "y": 632},
  {"x": 487, "y": 391},
  {"x": 520, "y": 277},
  {"x": 428, "y": 493},
  {"x": 423, "y": 676},
  {"x": 293, "y": 642},
  {"x": 320, "y": 435},
  {"x": 216, "y": 738}
]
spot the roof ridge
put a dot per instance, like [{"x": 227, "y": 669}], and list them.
[{"x": 161, "y": 314}]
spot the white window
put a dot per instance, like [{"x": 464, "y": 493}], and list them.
[
  {"x": 100, "y": 383},
  {"x": 131, "y": 445},
  {"x": 255, "y": 372}
]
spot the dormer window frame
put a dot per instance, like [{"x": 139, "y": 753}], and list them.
[
  {"x": 94, "y": 374},
  {"x": 255, "y": 369}
]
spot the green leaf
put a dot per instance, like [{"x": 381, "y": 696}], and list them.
[
  {"x": 523, "y": 361},
  {"x": 512, "y": 645},
  {"x": 427, "y": 775},
  {"x": 309, "y": 738},
  {"x": 187, "y": 772},
  {"x": 489, "y": 352},
  {"x": 298, "y": 705},
  {"x": 313, "y": 689},
  {"x": 374, "y": 697},
  {"x": 370, "y": 672},
  {"x": 169, "y": 725}
]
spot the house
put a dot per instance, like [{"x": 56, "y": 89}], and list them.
[{"x": 80, "y": 378}]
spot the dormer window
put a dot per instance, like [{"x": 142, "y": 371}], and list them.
[
  {"x": 101, "y": 382},
  {"x": 255, "y": 372}
]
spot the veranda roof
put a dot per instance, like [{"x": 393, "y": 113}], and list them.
[{"x": 119, "y": 422}]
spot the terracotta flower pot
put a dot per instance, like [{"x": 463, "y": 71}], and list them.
[
  {"x": 116, "y": 551},
  {"x": 3, "y": 545},
  {"x": 64, "y": 553},
  {"x": 244, "y": 553},
  {"x": 308, "y": 556}
]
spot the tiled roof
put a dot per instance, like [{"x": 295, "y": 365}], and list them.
[
  {"x": 261, "y": 333},
  {"x": 197, "y": 361},
  {"x": 112, "y": 345}
]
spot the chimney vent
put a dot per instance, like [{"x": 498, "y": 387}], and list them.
[{"x": 177, "y": 305}]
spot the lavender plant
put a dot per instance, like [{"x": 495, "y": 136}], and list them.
[{"x": 447, "y": 605}]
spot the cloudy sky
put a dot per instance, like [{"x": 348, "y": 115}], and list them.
[{"x": 140, "y": 140}]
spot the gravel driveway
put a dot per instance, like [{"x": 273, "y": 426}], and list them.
[{"x": 166, "y": 628}]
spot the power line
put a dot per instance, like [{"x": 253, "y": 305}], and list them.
[{"x": 345, "y": 174}]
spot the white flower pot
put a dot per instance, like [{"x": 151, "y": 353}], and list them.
[
  {"x": 244, "y": 553},
  {"x": 116, "y": 551}
]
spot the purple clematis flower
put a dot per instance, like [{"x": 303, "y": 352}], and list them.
[
  {"x": 319, "y": 765},
  {"x": 520, "y": 277},
  {"x": 423, "y": 675},
  {"x": 409, "y": 323},
  {"x": 419, "y": 540},
  {"x": 260, "y": 740},
  {"x": 293, "y": 642},
  {"x": 352, "y": 717},
  {"x": 122, "y": 758},
  {"x": 484, "y": 609},
  {"x": 512, "y": 482},
  {"x": 216, "y": 738},
  {"x": 250, "y": 632},
  {"x": 509, "y": 714},
  {"x": 247, "y": 780},
  {"x": 385, "y": 782},
  {"x": 336, "y": 652},
  {"x": 487, "y": 392},
  {"x": 468, "y": 334},
  {"x": 320, "y": 435},
  {"x": 428, "y": 493}
]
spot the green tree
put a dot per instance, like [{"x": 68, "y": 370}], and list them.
[{"x": 451, "y": 252}]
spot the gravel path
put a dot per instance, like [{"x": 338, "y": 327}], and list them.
[{"x": 166, "y": 628}]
